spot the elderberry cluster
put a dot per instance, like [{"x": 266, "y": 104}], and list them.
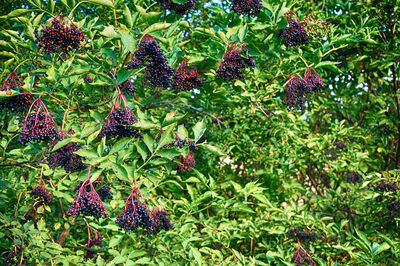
[
  {"x": 101, "y": 187},
  {"x": 386, "y": 185},
  {"x": 161, "y": 221},
  {"x": 17, "y": 104},
  {"x": 97, "y": 240},
  {"x": 187, "y": 163},
  {"x": 38, "y": 127},
  {"x": 314, "y": 82},
  {"x": 87, "y": 203},
  {"x": 119, "y": 124},
  {"x": 246, "y": 7},
  {"x": 136, "y": 215},
  {"x": 297, "y": 93},
  {"x": 178, "y": 8},
  {"x": 59, "y": 37},
  {"x": 303, "y": 236},
  {"x": 127, "y": 87},
  {"x": 394, "y": 208},
  {"x": 234, "y": 63},
  {"x": 186, "y": 78},
  {"x": 294, "y": 35},
  {"x": 42, "y": 195},
  {"x": 66, "y": 157},
  {"x": 354, "y": 177},
  {"x": 340, "y": 145},
  {"x": 13, "y": 258},
  {"x": 149, "y": 55}
]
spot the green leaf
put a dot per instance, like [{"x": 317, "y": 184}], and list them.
[
  {"x": 119, "y": 145},
  {"x": 129, "y": 42},
  {"x": 87, "y": 154},
  {"x": 199, "y": 129},
  {"x": 197, "y": 255},
  {"x": 107, "y": 3},
  {"x": 109, "y": 32},
  {"x": 212, "y": 149},
  {"x": 166, "y": 137},
  {"x": 156, "y": 27},
  {"x": 8, "y": 93},
  {"x": 128, "y": 17},
  {"x": 17, "y": 12},
  {"x": 169, "y": 153}
]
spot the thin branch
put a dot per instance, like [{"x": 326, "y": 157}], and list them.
[
  {"x": 17, "y": 163},
  {"x": 203, "y": 112}
]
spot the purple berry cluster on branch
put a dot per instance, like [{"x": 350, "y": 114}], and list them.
[
  {"x": 186, "y": 163},
  {"x": 101, "y": 187},
  {"x": 94, "y": 239},
  {"x": 38, "y": 125},
  {"x": 295, "y": 34},
  {"x": 127, "y": 87},
  {"x": 301, "y": 257},
  {"x": 235, "y": 61},
  {"x": 149, "y": 55},
  {"x": 354, "y": 177},
  {"x": 120, "y": 120},
  {"x": 246, "y": 7},
  {"x": 186, "y": 77},
  {"x": 87, "y": 202},
  {"x": 60, "y": 37},
  {"x": 387, "y": 186},
  {"x": 41, "y": 194},
  {"x": 66, "y": 158},
  {"x": 299, "y": 90},
  {"x": 136, "y": 216},
  {"x": 17, "y": 103},
  {"x": 178, "y": 8}
]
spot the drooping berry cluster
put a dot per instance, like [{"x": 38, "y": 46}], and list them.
[
  {"x": 187, "y": 163},
  {"x": 186, "y": 77},
  {"x": 66, "y": 158},
  {"x": 87, "y": 202},
  {"x": 295, "y": 34},
  {"x": 41, "y": 194},
  {"x": 60, "y": 37},
  {"x": 178, "y": 142},
  {"x": 101, "y": 187},
  {"x": 161, "y": 221},
  {"x": 234, "y": 62},
  {"x": 394, "y": 208},
  {"x": 149, "y": 55},
  {"x": 303, "y": 236},
  {"x": 136, "y": 215},
  {"x": 340, "y": 145},
  {"x": 38, "y": 125},
  {"x": 127, "y": 87},
  {"x": 246, "y": 7},
  {"x": 386, "y": 185},
  {"x": 178, "y": 8},
  {"x": 301, "y": 257},
  {"x": 354, "y": 177},
  {"x": 17, "y": 103},
  {"x": 13, "y": 257},
  {"x": 120, "y": 120},
  {"x": 96, "y": 240},
  {"x": 299, "y": 90}
]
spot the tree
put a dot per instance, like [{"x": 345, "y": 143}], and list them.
[{"x": 139, "y": 132}]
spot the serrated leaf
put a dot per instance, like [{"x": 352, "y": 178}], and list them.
[
  {"x": 199, "y": 129},
  {"x": 107, "y": 3},
  {"x": 129, "y": 42},
  {"x": 212, "y": 149},
  {"x": 156, "y": 27},
  {"x": 169, "y": 153},
  {"x": 109, "y": 32},
  {"x": 128, "y": 17},
  {"x": 87, "y": 154},
  {"x": 119, "y": 145}
]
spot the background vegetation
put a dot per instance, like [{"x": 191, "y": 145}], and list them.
[{"x": 260, "y": 171}]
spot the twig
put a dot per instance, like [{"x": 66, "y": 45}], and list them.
[
  {"x": 203, "y": 112},
  {"x": 17, "y": 163},
  {"x": 16, "y": 208}
]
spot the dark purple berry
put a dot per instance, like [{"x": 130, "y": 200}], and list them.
[
  {"x": 178, "y": 8},
  {"x": 18, "y": 103},
  {"x": 186, "y": 78},
  {"x": 187, "y": 163},
  {"x": 66, "y": 158},
  {"x": 297, "y": 93},
  {"x": 295, "y": 34},
  {"x": 246, "y": 7},
  {"x": 386, "y": 185},
  {"x": 354, "y": 177}
]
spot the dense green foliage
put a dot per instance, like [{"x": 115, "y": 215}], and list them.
[{"x": 261, "y": 169}]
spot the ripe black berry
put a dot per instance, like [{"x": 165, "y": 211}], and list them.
[
  {"x": 87, "y": 203},
  {"x": 17, "y": 103},
  {"x": 59, "y": 37},
  {"x": 295, "y": 34},
  {"x": 39, "y": 125},
  {"x": 303, "y": 236},
  {"x": 66, "y": 158},
  {"x": 234, "y": 62},
  {"x": 14, "y": 257},
  {"x": 41, "y": 194},
  {"x": 120, "y": 120},
  {"x": 161, "y": 221},
  {"x": 386, "y": 185},
  {"x": 149, "y": 55},
  {"x": 178, "y": 8},
  {"x": 135, "y": 214},
  {"x": 186, "y": 77},
  {"x": 313, "y": 79},
  {"x": 246, "y": 7}
]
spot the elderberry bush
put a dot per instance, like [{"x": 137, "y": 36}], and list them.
[
  {"x": 119, "y": 124},
  {"x": 59, "y": 37},
  {"x": 186, "y": 77},
  {"x": 149, "y": 55},
  {"x": 38, "y": 127},
  {"x": 66, "y": 158},
  {"x": 246, "y": 7},
  {"x": 178, "y": 8},
  {"x": 234, "y": 64},
  {"x": 294, "y": 35}
]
